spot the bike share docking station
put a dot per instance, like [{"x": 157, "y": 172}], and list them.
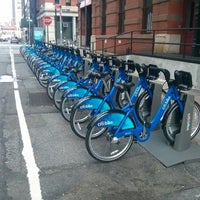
[{"x": 184, "y": 149}]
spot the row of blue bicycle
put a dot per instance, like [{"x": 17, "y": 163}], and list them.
[{"x": 104, "y": 103}]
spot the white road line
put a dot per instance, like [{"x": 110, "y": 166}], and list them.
[{"x": 32, "y": 169}]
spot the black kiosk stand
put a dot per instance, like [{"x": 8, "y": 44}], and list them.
[{"x": 183, "y": 150}]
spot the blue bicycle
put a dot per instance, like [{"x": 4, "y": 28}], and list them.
[
  {"x": 45, "y": 73},
  {"x": 111, "y": 133},
  {"x": 73, "y": 63},
  {"x": 88, "y": 107},
  {"x": 99, "y": 85},
  {"x": 64, "y": 85}
]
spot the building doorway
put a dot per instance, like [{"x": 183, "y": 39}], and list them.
[{"x": 191, "y": 20}]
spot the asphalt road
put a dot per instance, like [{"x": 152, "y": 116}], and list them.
[{"x": 65, "y": 169}]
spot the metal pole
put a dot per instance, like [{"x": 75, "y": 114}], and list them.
[
  {"x": 85, "y": 25},
  {"x": 29, "y": 31},
  {"x": 29, "y": 25},
  {"x": 60, "y": 23},
  {"x": 47, "y": 34},
  {"x": 55, "y": 24}
]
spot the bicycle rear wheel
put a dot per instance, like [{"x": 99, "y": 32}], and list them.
[
  {"x": 173, "y": 120},
  {"x": 143, "y": 106},
  {"x": 106, "y": 147}
]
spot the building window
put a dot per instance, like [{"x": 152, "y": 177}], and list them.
[
  {"x": 190, "y": 14},
  {"x": 68, "y": 2},
  {"x": 147, "y": 16},
  {"x": 121, "y": 16},
  {"x": 103, "y": 28},
  {"x": 57, "y": 1}
]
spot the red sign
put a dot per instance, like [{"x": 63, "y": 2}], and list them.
[{"x": 47, "y": 20}]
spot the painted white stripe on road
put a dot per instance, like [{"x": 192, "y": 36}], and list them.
[{"x": 32, "y": 169}]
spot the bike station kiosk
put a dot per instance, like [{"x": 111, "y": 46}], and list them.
[{"x": 183, "y": 150}]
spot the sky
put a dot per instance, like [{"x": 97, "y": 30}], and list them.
[{"x": 5, "y": 10}]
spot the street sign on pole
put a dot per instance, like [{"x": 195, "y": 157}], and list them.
[{"x": 47, "y": 20}]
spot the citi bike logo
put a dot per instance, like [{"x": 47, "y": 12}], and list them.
[
  {"x": 166, "y": 103},
  {"x": 73, "y": 95},
  {"x": 104, "y": 123},
  {"x": 85, "y": 106},
  {"x": 137, "y": 90}
]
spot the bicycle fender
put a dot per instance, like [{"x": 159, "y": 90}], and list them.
[
  {"x": 77, "y": 92},
  {"x": 43, "y": 64},
  {"x": 51, "y": 70},
  {"x": 113, "y": 118},
  {"x": 93, "y": 102},
  {"x": 59, "y": 78},
  {"x": 66, "y": 85}
]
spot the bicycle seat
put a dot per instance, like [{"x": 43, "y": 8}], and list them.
[
  {"x": 76, "y": 70},
  {"x": 131, "y": 66},
  {"x": 153, "y": 72},
  {"x": 141, "y": 69},
  {"x": 183, "y": 80},
  {"x": 116, "y": 62},
  {"x": 124, "y": 86},
  {"x": 97, "y": 75},
  {"x": 166, "y": 74}
]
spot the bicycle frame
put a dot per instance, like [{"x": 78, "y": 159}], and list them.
[
  {"x": 99, "y": 104},
  {"x": 142, "y": 132},
  {"x": 77, "y": 92}
]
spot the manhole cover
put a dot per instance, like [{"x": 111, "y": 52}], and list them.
[{"x": 39, "y": 99}]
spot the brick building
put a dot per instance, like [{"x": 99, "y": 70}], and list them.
[
  {"x": 63, "y": 14},
  {"x": 154, "y": 25}
]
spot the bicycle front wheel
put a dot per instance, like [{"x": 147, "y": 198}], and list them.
[
  {"x": 143, "y": 106},
  {"x": 66, "y": 107},
  {"x": 57, "y": 97},
  {"x": 104, "y": 147},
  {"x": 51, "y": 89},
  {"x": 79, "y": 121},
  {"x": 173, "y": 120}
]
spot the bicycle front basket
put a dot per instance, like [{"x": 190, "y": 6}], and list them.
[{"x": 183, "y": 80}]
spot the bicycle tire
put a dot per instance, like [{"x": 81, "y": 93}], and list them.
[
  {"x": 105, "y": 148},
  {"x": 57, "y": 97},
  {"x": 109, "y": 83},
  {"x": 54, "y": 84},
  {"x": 67, "y": 104},
  {"x": 121, "y": 99},
  {"x": 60, "y": 90},
  {"x": 43, "y": 79},
  {"x": 173, "y": 119},
  {"x": 80, "y": 118},
  {"x": 51, "y": 89},
  {"x": 143, "y": 106}
]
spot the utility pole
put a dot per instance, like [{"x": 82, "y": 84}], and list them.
[{"x": 60, "y": 22}]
